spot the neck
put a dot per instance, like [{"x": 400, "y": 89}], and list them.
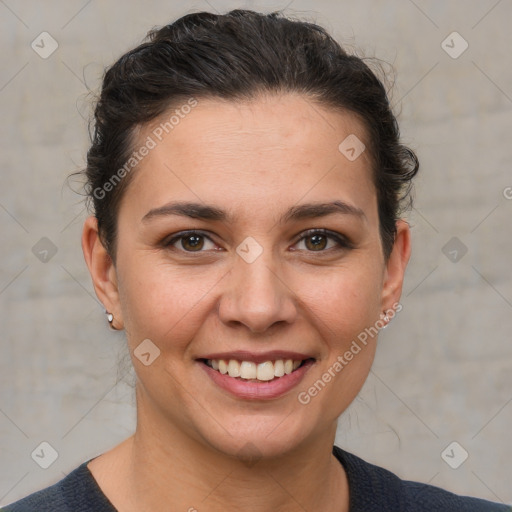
[{"x": 192, "y": 476}]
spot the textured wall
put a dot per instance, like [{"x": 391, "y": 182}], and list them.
[{"x": 443, "y": 367}]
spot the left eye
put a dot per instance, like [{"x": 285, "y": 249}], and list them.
[{"x": 317, "y": 240}]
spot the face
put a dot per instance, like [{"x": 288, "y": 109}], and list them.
[{"x": 278, "y": 258}]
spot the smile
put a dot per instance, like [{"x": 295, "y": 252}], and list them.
[
  {"x": 253, "y": 376},
  {"x": 249, "y": 370}
]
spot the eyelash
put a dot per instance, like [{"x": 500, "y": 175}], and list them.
[{"x": 343, "y": 242}]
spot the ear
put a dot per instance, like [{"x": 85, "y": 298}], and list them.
[
  {"x": 102, "y": 270},
  {"x": 396, "y": 265}
]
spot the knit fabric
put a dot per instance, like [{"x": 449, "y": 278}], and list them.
[{"x": 372, "y": 489}]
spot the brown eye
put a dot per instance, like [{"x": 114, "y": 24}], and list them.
[
  {"x": 190, "y": 242},
  {"x": 317, "y": 240}
]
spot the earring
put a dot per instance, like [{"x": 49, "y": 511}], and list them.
[
  {"x": 386, "y": 320},
  {"x": 110, "y": 318}
]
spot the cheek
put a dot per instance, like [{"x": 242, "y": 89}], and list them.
[
  {"x": 162, "y": 302},
  {"x": 345, "y": 308},
  {"x": 345, "y": 300}
]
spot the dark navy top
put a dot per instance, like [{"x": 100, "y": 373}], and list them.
[{"x": 372, "y": 489}]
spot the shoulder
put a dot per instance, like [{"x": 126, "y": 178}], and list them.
[
  {"x": 420, "y": 496},
  {"x": 45, "y": 500},
  {"x": 77, "y": 492},
  {"x": 373, "y": 488}
]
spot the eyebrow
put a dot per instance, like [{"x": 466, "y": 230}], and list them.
[{"x": 208, "y": 212}]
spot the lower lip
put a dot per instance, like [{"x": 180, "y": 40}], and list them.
[{"x": 258, "y": 390}]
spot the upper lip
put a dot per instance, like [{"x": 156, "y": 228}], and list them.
[{"x": 258, "y": 357}]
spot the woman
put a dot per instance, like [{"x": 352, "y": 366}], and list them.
[{"x": 247, "y": 181}]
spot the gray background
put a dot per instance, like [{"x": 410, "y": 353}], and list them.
[{"x": 443, "y": 367}]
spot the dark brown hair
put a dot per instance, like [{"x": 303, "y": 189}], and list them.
[{"x": 235, "y": 56}]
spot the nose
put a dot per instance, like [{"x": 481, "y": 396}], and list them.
[{"x": 256, "y": 296}]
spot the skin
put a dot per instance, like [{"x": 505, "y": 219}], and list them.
[{"x": 256, "y": 160}]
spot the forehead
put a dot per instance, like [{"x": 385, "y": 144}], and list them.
[{"x": 274, "y": 148}]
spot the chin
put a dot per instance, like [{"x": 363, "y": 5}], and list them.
[{"x": 255, "y": 437}]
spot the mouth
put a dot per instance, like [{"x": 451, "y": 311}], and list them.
[
  {"x": 256, "y": 376},
  {"x": 250, "y": 371}
]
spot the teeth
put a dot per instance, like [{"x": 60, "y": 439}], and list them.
[
  {"x": 265, "y": 371},
  {"x": 279, "y": 368},
  {"x": 223, "y": 366},
  {"x": 233, "y": 368},
  {"x": 248, "y": 370}
]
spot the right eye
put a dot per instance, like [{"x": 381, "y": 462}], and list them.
[{"x": 191, "y": 241}]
